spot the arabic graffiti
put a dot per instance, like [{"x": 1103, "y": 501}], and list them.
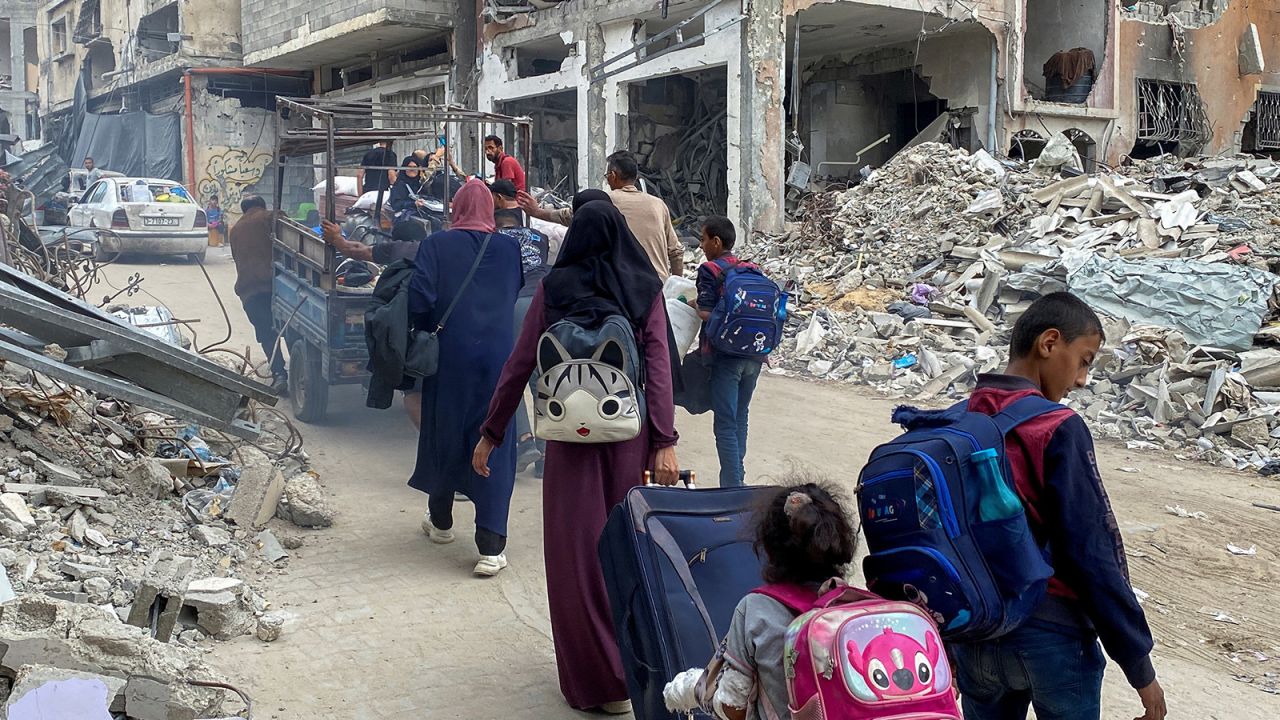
[{"x": 229, "y": 173}]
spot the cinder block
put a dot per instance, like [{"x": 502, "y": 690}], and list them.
[{"x": 159, "y": 599}]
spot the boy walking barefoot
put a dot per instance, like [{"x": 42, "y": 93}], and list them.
[
  {"x": 1053, "y": 662},
  {"x": 733, "y": 379}
]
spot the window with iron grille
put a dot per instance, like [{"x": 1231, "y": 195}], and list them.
[
  {"x": 1265, "y": 122},
  {"x": 1172, "y": 113}
]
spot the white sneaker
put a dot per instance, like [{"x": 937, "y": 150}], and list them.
[
  {"x": 621, "y": 707},
  {"x": 437, "y": 536},
  {"x": 490, "y": 565}
]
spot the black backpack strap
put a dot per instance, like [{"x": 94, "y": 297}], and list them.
[{"x": 1024, "y": 409}]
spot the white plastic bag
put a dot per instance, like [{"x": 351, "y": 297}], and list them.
[{"x": 685, "y": 324}]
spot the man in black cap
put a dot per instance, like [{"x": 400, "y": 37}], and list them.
[{"x": 504, "y": 198}]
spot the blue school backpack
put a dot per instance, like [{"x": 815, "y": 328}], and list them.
[
  {"x": 748, "y": 318},
  {"x": 921, "y": 502}
]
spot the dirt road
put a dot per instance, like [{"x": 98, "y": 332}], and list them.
[{"x": 391, "y": 626}]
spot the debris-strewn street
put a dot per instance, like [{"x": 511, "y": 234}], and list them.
[{"x": 387, "y": 625}]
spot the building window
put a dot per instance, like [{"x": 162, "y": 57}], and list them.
[
  {"x": 1171, "y": 118},
  {"x": 1262, "y": 132},
  {"x": 60, "y": 37}
]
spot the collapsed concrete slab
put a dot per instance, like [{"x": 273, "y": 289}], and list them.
[{"x": 43, "y": 692}]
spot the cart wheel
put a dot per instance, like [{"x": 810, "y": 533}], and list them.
[{"x": 308, "y": 384}]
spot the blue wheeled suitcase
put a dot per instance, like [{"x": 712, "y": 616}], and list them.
[{"x": 676, "y": 562}]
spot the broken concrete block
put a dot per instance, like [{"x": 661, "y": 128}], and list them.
[
  {"x": 77, "y": 526},
  {"x": 214, "y": 585},
  {"x": 271, "y": 625},
  {"x": 56, "y": 473},
  {"x": 258, "y": 491},
  {"x": 14, "y": 507},
  {"x": 1252, "y": 61},
  {"x": 222, "y": 614},
  {"x": 98, "y": 590},
  {"x": 158, "y": 601},
  {"x": 81, "y": 571},
  {"x": 147, "y": 478},
  {"x": 41, "y": 692},
  {"x": 304, "y": 504},
  {"x": 211, "y": 536},
  {"x": 1252, "y": 432}
]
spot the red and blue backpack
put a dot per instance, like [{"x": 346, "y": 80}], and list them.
[{"x": 747, "y": 320}]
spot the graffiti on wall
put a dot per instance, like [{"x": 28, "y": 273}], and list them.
[{"x": 231, "y": 173}]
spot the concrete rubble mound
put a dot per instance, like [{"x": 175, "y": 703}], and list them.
[
  {"x": 911, "y": 282},
  {"x": 130, "y": 540}
]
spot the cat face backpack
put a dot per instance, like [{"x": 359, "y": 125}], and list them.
[{"x": 590, "y": 386}]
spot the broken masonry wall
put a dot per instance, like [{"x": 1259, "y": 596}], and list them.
[
  {"x": 720, "y": 50},
  {"x": 212, "y": 36},
  {"x": 1054, "y": 25},
  {"x": 849, "y": 105},
  {"x": 499, "y": 83},
  {"x": 761, "y": 120},
  {"x": 1210, "y": 61},
  {"x": 233, "y": 152}
]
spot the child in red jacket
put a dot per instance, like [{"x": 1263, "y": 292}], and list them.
[{"x": 1053, "y": 661}]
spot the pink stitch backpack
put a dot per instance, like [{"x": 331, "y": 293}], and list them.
[{"x": 852, "y": 655}]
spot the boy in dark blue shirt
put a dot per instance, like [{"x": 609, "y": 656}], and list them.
[
  {"x": 1053, "y": 662},
  {"x": 733, "y": 379}
]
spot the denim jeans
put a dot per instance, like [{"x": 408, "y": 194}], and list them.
[
  {"x": 733, "y": 380},
  {"x": 1053, "y": 668}
]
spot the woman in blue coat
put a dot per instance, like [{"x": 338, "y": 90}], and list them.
[{"x": 474, "y": 344}]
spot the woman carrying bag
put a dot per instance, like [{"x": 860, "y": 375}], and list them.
[
  {"x": 602, "y": 279},
  {"x": 464, "y": 289}
]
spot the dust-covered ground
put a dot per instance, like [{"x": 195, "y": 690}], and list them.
[{"x": 391, "y": 626}]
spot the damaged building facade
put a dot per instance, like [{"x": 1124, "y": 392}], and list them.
[
  {"x": 19, "y": 74},
  {"x": 736, "y": 106},
  {"x": 375, "y": 51},
  {"x": 156, "y": 88}
]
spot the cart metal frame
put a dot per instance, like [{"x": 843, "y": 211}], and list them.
[{"x": 322, "y": 327}]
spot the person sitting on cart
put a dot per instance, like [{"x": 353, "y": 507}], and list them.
[{"x": 408, "y": 192}]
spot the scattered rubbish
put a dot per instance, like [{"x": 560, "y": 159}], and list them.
[
  {"x": 1184, "y": 513},
  {"x": 270, "y": 547},
  {"x": 1128, "y": 469},
  {"x": 1265, "y": 506},
  {"x": 1237, "y": 550},
  {"x": 1142, "y": 595}
]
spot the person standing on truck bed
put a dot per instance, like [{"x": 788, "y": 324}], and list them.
[
  {"x": 380, "y": 155},
  {"x": 251, "y": 251}
]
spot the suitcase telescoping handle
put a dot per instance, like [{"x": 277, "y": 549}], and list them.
[{"x": 688, "y": 477}]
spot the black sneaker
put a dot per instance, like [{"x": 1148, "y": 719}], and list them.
[{"x": 280, "y": 386}]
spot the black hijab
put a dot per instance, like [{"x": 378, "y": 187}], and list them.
[
  {"x": 414, "y": 184},
  {"x": 601, "y": 271},
  {"x": 589, "y": 195}
]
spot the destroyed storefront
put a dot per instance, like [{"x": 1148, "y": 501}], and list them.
[
  {"x": 867, "y": 81},
  {"x": 666, "y": 86}
]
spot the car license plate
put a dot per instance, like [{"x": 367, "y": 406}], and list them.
[{"x": 161, "y": 221}]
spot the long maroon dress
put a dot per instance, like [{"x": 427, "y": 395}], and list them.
[{"x": 581, "y": 484}]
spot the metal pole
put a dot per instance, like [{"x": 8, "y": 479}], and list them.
[
  {"x": 448, "y": 196},
  {"x": 331, "y": 203}
]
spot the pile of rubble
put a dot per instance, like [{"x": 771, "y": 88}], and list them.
[{"x": 911, "y": 281}]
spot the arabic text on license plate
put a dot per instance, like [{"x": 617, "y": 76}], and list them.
[{"x": 160, "y": 221}]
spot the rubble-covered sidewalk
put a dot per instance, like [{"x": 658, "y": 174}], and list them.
[
  {"x": 131, "y": 539},
  {"x": 911, "y": 280}
]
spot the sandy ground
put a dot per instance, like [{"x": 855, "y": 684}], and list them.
[{"x": 390, "y": 626}]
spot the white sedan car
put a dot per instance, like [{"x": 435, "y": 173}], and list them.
[{"x": 144, "y": 215}]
